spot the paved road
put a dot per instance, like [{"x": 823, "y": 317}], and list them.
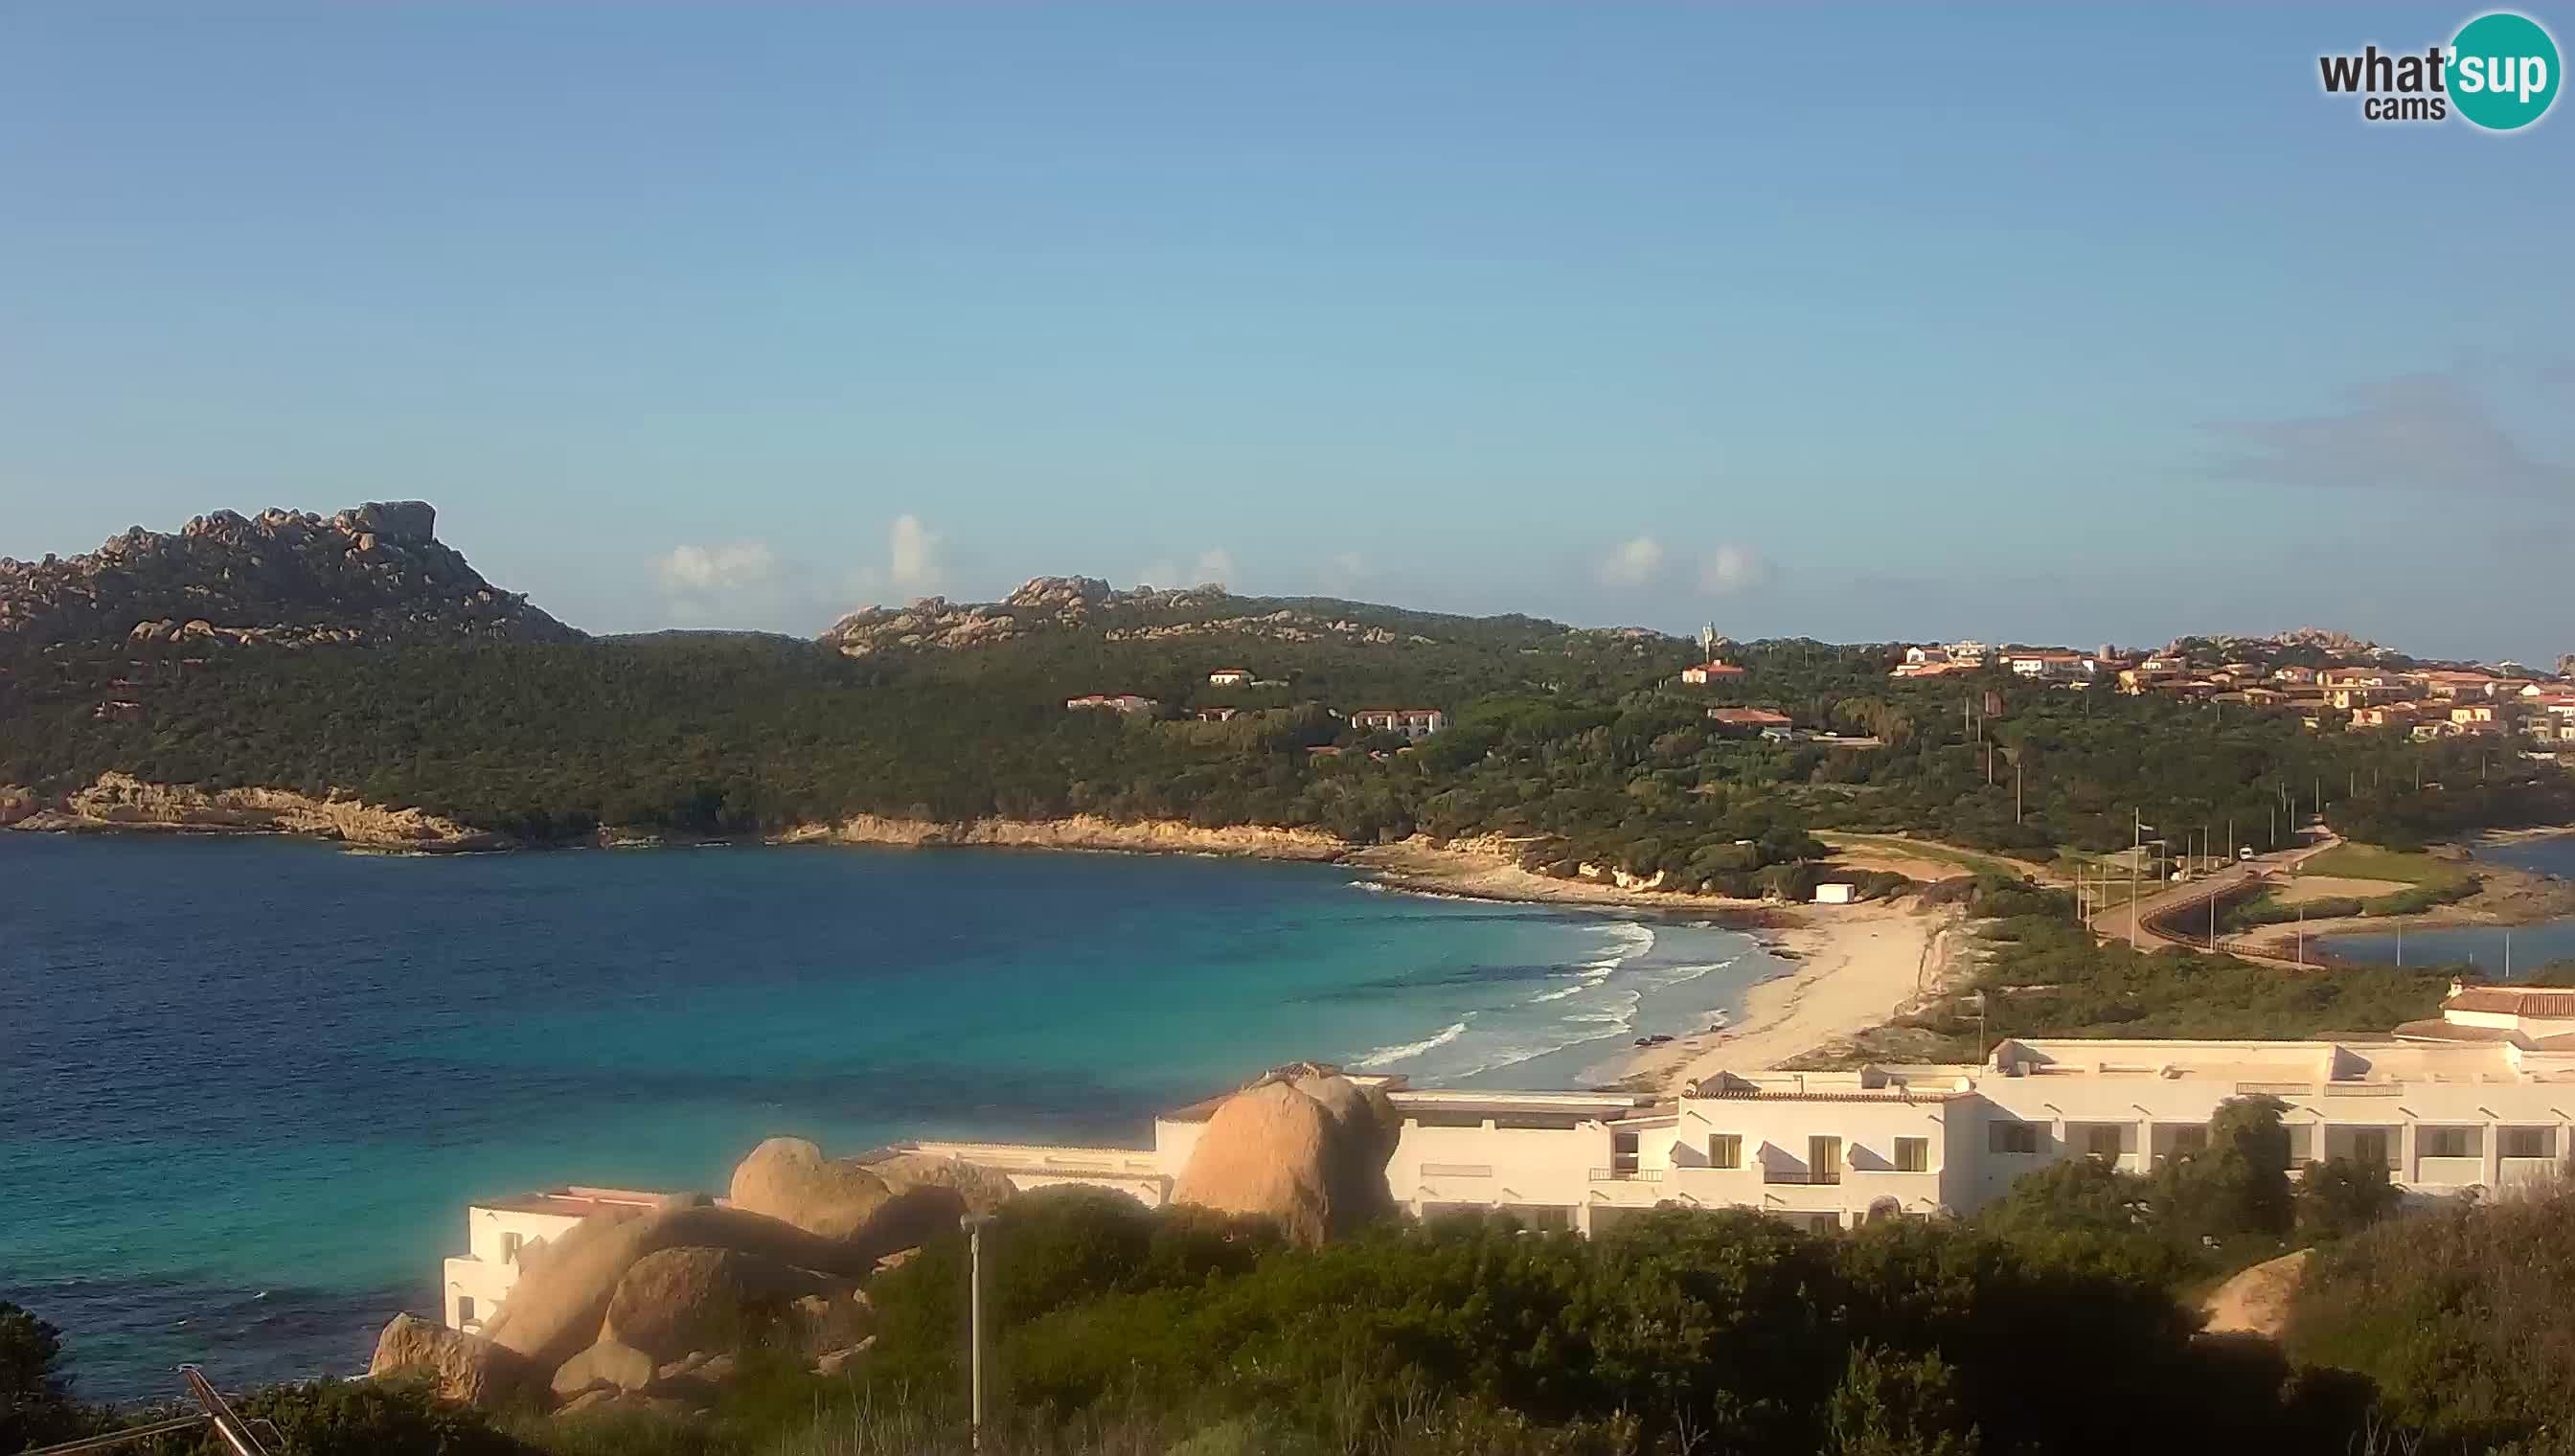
[{"x": 2115, "y": 921}]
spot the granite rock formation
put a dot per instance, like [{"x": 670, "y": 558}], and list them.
[
  {"x": 376, "y": 573},
  {"x": 459, "y": 1366},
  {"x": 1301, "y": 1145}
]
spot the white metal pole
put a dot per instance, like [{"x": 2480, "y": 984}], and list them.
[{"x": 973, "y": 1224}]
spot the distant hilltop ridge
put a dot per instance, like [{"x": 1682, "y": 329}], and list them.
[
  {"x": 1140, "y": 614},
  {"x": 376, "y": 573}
]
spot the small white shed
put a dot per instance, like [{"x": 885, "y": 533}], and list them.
[{"x": 1835, "y": 895}]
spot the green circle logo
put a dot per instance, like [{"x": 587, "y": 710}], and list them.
[{"x": 2503, "y": 71}]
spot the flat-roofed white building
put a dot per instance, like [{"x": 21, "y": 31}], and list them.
[
  {"x": 2476, "y": 1102},
  {"x": 498, "y": 1233}
]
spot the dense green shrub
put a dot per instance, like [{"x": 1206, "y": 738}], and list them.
[{"x": 2465, "y": 1317}]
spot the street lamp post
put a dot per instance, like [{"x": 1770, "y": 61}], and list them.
[{"x": 975, "y": 1225}]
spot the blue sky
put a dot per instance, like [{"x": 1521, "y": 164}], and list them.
[{"x": 2049, "y": 324}]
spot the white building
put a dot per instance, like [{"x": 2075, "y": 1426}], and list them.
[
  {"x": 500, "y": 1233},
  {"x": 1969, "y": 654},
  {"x": 1411, "y": 722},
  {"x": 2474, "y": 1101},
  {"x": 1128, "y": 703},
  {"x": 1228, "y": 678},
  {"x": 1712, "y": 671},
  {"x": 2052, "y": 665}
]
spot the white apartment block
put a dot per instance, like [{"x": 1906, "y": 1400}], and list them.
[
  {"x": 1411, "y": 722},
  {"x": 498, "y": 1233},
  {"x": 2473, "y": 1101}
]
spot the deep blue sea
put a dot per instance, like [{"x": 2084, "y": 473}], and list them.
[
  {"x": 247, "y": 1086},
  {"x": 2524, "y": 947}
]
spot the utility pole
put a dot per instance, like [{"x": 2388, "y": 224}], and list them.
[
  {"x": 975, "y": 1225},
  {"x": 2136, "y": 856},
  {"x": 2400, "y": 944},
  {"x": 2302, "y": 935},
  {"x": 2016, "y": 784}
]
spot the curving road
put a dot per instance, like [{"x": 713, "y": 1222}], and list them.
[{"x": 2168, "y": 903}]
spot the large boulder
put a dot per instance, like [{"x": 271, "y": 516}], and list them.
[
  {"x": 1304, "y": 1146},
  {"x": 399, "y": 520},
  {"x": 2256, "y": 1301},
  {"x": 980, "y": 1188},
  {"x": 461, "y": 1367},
  {"x": 606, "y": 1365},
  {"x": 789, "y": 1178},
  {"x": 559, "y": 1304},
  {"x": 679, "y": 1300}
]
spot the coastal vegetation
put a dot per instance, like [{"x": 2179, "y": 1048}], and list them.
[
  {"x": 1573, "y": 748},
  {"x": 2060, "y": 1319}
]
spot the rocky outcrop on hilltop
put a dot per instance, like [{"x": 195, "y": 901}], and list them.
[
  {"x": 940, "y": 625},
  {"x": 376, "y": 573},
  {"x": 1047, "y": 603},
  {"x": 1303, "y": 1145}
]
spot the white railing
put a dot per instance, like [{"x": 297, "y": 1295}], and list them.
[{"x": 1626, "y": 1175}]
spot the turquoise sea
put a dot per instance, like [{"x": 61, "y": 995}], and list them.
[
  {"x": 2522, "y": 949},
  {"x": 248, "y": 1085}
]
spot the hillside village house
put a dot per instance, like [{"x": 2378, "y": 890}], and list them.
[
  {"x": 1710, "y": 671},
  {"x": 1228, "y": 678},
  {"x": 1411, "y": 722},
  {"x": 2056, "y": 664},
  {"x": 1749, "y": 720},
  {"x": 2471, "y": 1102},
  {"x": 1122, "y": 702},
  {"x": 1968, "y": 652}
]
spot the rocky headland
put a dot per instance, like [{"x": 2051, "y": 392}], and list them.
[{"x": 376, "y": 573}]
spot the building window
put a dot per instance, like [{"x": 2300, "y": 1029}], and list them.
[
  {"x": 2524, "y": 1142},
  {"x": 2012, "y": 1137},
  {"x": 464, "y": 1309},
  {"x": 510, "y": 1245},
  {"x": 2446, "y": 1142},
  {"x": 2190, "y": 1141},
  {"x": 1726, "y": 1149},
  {"x": 1913, "y": 1154},
  {"x": 2102, "y": 1142},
  {"x": 1823, "y": 1160},
  {"x": 2369, "y": 1146}
]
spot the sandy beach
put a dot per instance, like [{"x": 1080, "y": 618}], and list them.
[
  {"x": 1485, "y": 871},
  {"x": 1855, "y": 966}
]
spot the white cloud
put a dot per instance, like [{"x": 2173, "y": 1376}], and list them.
[
  {"x": 1633, "y": 562},
  {"x": 913, "y": 552},
  {"x": 1214, "y": 564},
  {"x": 702, "y": 569},
  {"x": 1730, "y": 569}
]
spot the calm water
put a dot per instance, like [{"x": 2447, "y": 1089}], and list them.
[
  {"x": 247, "y": 1086},
  {"x": 2531, "y": 945}
]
